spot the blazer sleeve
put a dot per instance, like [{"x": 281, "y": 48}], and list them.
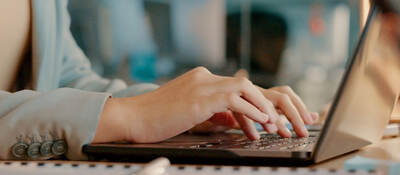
[
  {"x": 58, "y": 123},
  {"x": 37, "y": 126}
]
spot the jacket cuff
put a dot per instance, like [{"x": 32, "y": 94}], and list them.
[
  {"x": 86, "y": 115},
  {"x": 135, "y": 90}
]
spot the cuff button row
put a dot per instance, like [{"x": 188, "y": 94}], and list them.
[{"x": 35, "y": 150}]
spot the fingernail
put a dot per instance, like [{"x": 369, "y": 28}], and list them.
[
  {"x": 272, "y": 128},
  {"x": 314, "y": 116},
  {"x": 256, "y": 136},
  {"x": 274, "y": 118},
  {"x": 265, "y": 117},
  {"x": 309, "y": 118},
  {"x": 288, "y": 132},
  {"x": 304, "y": 131}
]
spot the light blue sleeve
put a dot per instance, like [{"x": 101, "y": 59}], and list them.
[
  {"x": 77, "y": 72},
  {"x": 39, "y": 126}
]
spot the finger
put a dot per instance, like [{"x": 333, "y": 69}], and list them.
[
  {"x": 223, "y": 102},
  {"x": 298, "y": 103},
  {"x": 270, "y": 128},
  {"x": 314, "y": 116},
  {"x": 287, "y": 107},
  {"x": 282, "y": 129},
  {"x": 239, "y": 105},
  {"x": 249, "y": 92},
  {"x": 296, "y": 100},
  {"x": 247, "y": 126}
]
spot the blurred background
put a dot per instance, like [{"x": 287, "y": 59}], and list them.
[{"x": 304, "y": 44}]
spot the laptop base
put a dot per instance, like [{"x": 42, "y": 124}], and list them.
[{"x": 187, "y": 156}]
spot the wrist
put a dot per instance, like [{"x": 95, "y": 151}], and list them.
[{"x": 109, "y": 127}]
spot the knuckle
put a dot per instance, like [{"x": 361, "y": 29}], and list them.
[
  {"x": 201, "y": 70},
  {"x": 243, "y": 82},
  {"x": 199, "y": 73},
  {"x": 269, "y": 104},
  {"x": 284, "y": 98},
  {"x": 231, "y": 98},
  {"x": 286, "y": 88}
]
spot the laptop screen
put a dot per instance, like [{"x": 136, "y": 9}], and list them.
[{"x": 368, "y": 91}]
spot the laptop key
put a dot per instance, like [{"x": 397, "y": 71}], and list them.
[{"x": 270, "y": 142}]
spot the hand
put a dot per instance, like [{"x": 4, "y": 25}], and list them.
[
  {"x": 289, "y": 104},
  {"x": 285, "y": 101},
  {"x": 182, "y": 104}
]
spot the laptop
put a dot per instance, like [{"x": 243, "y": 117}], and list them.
[{"x": 358, "y": 116}]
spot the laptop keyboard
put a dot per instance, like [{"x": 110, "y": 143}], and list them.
[
  {"x": 276, "y": 143},
  {"x": 267, "y": 142}
]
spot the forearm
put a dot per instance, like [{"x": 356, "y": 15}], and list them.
[
  {"x": 110, "y": 126},
  {"x": 136, "y": 119}
]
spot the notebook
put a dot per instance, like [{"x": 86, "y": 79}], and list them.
[{"x": 67, "y": 168}]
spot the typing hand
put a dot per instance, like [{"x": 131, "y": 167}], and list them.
[
  {"x": 285, "y": 101},
  {"x": 193, "y": 98},
  {"x": 290, "y": 105}
]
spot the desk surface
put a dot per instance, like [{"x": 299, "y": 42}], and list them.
[{"x": 387, "y": 149}]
